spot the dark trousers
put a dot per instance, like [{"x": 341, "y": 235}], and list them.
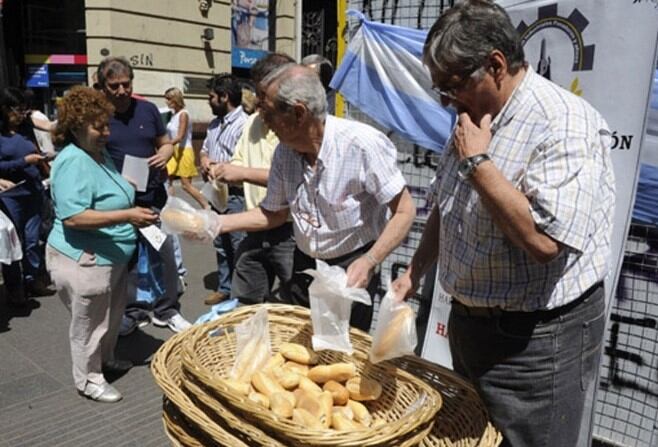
[
  {"x": 226, "y": 245},
  {"x": 296, "y": 290},
  {"x": 25, "y": 213},
  {"x": 531, "y": 369},
  {"x": 261, "y": 257}
]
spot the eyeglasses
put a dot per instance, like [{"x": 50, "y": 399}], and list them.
[
  {"x": 452, "y": 91},
  {"x": 115, "y": 85},
  {"x": 306, "y": 211}
]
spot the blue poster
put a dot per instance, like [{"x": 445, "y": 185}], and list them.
[
  {"x": 249, "y": 31},
  {"x": 37, "y": 76}
]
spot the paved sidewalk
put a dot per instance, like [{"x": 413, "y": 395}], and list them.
[{"x": 39, "y": 405}]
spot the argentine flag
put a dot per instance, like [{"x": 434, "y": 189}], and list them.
[{"x": 382, "y": 74}]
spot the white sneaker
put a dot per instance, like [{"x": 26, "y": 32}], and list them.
[{"x": 176, "y": 323}]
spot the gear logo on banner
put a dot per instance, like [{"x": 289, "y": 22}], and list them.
[{"x": 572, "y": 27}]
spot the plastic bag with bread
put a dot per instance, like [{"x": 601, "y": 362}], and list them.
[
  {"x": 252, "y": 349},
  {"x": 395, "y": 334},
  {"x": 179, "y": 217}
]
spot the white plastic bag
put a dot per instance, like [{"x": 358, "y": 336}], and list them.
[
  {"x": 395, "y": 334},
  {"x": 252, "y": 348},
  {"x": 216, "y": 193},
  {"x": 179, "y": 217},
  {"x": 331, "y": 307}
]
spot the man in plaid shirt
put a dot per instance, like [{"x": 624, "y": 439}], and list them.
[{"x": 521, "y": 229}]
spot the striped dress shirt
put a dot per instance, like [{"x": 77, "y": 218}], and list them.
[
  {"x": 342, "y": 204},
  {"x": 223, "y": 134},
  {"x": 554, "y": 148}
]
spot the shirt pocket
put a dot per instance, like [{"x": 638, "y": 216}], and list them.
[{"x": 343, "y": 215}]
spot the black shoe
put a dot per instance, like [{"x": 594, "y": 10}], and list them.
[
  {"x": 16, "y": 297},
  {"x": 39, "y": 288}
]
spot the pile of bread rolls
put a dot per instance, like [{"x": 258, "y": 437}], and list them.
[{"x": 294, "y": 386}]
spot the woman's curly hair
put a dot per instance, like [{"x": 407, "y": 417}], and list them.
[{"x": 80, "y": 107}]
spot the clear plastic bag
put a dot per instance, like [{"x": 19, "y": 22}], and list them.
[
  {"x": 252, "y": 349},
  {"x": 331, "y": 307},
  {"x": 216, "y": 193},
  {"x": 395, "y": 334},
  {"x": 179, "y": 217}
]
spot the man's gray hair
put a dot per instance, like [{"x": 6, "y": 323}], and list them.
[
  {"x": 462, "y": 38},
  {"x": 298, "y": 86}
]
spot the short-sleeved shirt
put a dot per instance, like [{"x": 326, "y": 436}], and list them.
[
  {"x": 342, "y": 204},
  {"x": 555, "y": 149},
  {"x": 223, "y": 134},
  {"x": 134, "y": 132},
  {"x": 255, "y": 149},
  {"x": 79, "y": 183},
  {"x": 13, "y": 149}
]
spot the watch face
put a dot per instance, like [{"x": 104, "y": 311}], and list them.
[{"x": 465, "y": 169}]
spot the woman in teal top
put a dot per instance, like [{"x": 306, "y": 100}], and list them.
[{"x": 93, "y": 238}]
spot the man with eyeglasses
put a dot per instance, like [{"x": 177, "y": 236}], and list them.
[
  {"x": 136, "y": 129},
  {"x": 521, "y": 228},
  {"x": 337, "y": 178}
]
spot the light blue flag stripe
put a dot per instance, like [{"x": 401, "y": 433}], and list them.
[{"x": 382, "y": 74}]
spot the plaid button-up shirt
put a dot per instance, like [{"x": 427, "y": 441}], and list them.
[
  {"x": 341, "y": 205},
  {"x": 223, "y": 134},
  {"x": 555, "y": 148}
]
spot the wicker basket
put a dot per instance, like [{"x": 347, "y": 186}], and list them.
[
  {"x": 463, "y": 421},
  {"x": 408, "y": 404},
  {"x": 166, "y": 370},
  {"x": 176, "y": 428}
]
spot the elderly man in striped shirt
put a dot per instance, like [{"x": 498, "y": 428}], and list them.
[
  {"x": 338, "y": 179},
  {"x": 521, "y": 228},
  {"x": 225, "y": 98}
]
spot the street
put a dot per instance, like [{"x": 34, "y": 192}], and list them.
[{"x": 39, "y": 405}]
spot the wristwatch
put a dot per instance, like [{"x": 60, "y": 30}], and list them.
[{"x": 467, "y": 165}]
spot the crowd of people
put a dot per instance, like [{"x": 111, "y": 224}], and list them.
[{"x": 520, "y": 228}]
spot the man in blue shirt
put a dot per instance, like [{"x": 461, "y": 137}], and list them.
[{"x": 136, "y": 129}]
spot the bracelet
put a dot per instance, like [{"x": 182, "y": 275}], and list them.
[{"x": 371, "y": 258}]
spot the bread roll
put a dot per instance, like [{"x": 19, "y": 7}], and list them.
[
  {"x": 182, "y": 221},
  {"x": 276, "y": 361},
  {"x": 312, "y": 404},
  {"x": 286, "y": 378},
  {"x": 345, "y": 410},
  {"x": 361, "y": 413},
  {"x": 390, "y": 336},
  {"x": 299, "y": 353},
  {"x": 338, "y": 392},
  {"x": 339, "y": 372},
  {"x": 306, "y": 419},
  {"x": 242, "y": 388},
  {"x": 259, "y": 398},
  {"x": 265, "y": 384},
  {"x": 280, "y": 405},
  {"x": 297, "y": 367},
  {"x": 342, "y": 423},
  {"x": 327, "y": 403},
  {"x": 307, "y": 384},
  {"x": 362, "y": 388}
]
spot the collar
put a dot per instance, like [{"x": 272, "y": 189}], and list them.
[
  {"x": 232, "y": 115},
  {"x": 327, "y": 141},
  {"x": 514, "y": 102}
]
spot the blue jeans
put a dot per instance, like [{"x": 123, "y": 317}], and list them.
[
  {"x": 226, "y": 246},
  {"x": 25, "y": 213},
  {"x": 262, "y": 256},
  {"x": 532, "y": 369}
]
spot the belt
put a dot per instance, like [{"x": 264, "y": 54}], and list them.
[
  {"x": 235, "y": 191},
  {"x": 539, "y": 315}
]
